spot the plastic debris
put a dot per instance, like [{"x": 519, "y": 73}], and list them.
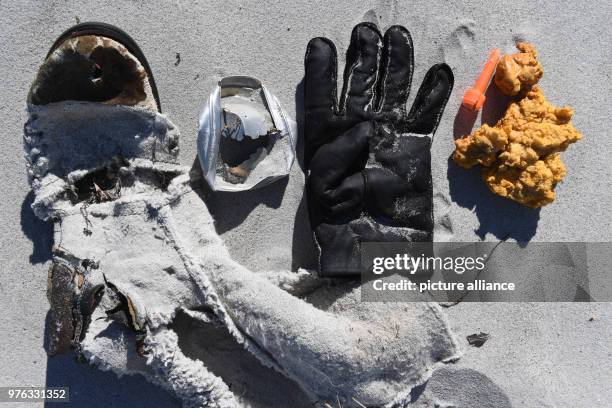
[
  {"x": 477, "y": 340},
  {"x": 245, "y": 139}
]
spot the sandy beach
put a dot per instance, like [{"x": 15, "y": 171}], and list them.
[{"x": 538, "y": 355}]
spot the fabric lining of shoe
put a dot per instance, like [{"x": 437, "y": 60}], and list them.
[{"x": 95, "y": 69}]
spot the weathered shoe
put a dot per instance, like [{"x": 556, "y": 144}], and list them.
[{"x": 89, "y": 64}]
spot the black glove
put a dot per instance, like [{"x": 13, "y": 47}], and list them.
[{"x": 369, "y": 160}]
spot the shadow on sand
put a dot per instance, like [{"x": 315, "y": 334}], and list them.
[
  {"x": 37, "y": 231},
  {"x": 497, "y": 215}
]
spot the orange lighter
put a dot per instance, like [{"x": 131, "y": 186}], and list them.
[{"x": 474, "y": 97}]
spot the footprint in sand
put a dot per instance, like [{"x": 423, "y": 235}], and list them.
[
  {"x": 386, "y": 15},
  {"x": 370, "y": 16},
  {"x": 458, "y": 43}
]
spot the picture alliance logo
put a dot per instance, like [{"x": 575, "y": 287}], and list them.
[{"x": 410, "y": 264}]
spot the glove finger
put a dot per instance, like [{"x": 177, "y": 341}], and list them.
[
  {"x": 352, "y": 188},
  {"x": 345, "y": 207},
  {"x": 430, "y": 100},
  {"x": 397, "y": 68},
  {"x": 321, "y": 69},
  {"x": 361, "y": 72},
  {"x": 334, "y": 160}
]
